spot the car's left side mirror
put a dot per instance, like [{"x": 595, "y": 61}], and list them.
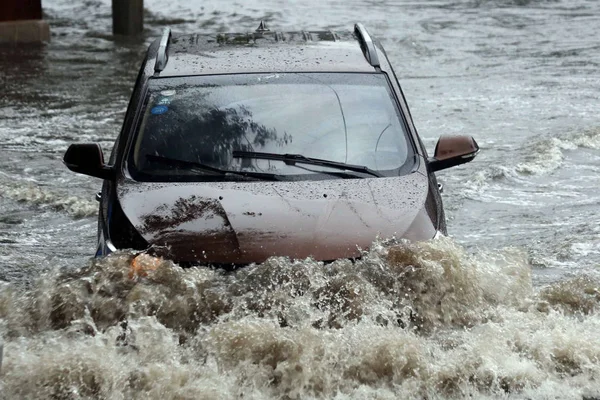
[
  {"x": 451, "y": 151},
  {"x": 87, "y": 159}
]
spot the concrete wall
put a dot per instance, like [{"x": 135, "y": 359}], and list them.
[
  {"x": 21, "y": 22},
  {"x": 26, "y": 31},
  {"x": 15, "y": 10},
  {"x": 128, "y": 17}
]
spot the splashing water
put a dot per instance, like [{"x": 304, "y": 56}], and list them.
[{"x": 405, "y": 320}]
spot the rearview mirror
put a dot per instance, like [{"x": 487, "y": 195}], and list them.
[
  {"x": 87, "y": 159},
  {"x": 451, "y": 151}
]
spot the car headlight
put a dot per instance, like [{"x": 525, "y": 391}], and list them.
[{"x": 110, "y": 246}]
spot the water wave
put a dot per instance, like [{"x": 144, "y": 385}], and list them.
[
  {"x": 405, "y": 320},
  {"x": 34, "y": 194},
  {"x": 542, "y": 157},
  {"x": 547, "y": 155}
]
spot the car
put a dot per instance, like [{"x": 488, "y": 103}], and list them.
[{"x": 238, "y": 147}]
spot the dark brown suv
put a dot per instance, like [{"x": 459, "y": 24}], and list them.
[{"x": 239, "y": 147}]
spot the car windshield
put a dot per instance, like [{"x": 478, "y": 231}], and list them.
[{"x": 191, "y": 123}]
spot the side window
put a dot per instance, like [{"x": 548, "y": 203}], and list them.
[
  {"x": 113, "y": 153},
  {"x": 136, "y": 97}
]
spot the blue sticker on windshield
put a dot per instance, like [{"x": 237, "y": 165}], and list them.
[{"x": 159, "y": 110}]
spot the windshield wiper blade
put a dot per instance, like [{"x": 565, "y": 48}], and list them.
[
  {"x": 183, "y": 163},
  {"x": 291, "y": 159},
  {"x": 208, "y": 168},
  {"x": 339, "y": 174}
]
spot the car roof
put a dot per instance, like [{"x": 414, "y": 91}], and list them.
[{"x": 266, "y": 51}]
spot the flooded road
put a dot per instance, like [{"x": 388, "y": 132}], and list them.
[{"x": 507, "y": 308}]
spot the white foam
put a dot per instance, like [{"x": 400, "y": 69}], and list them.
[{"x": 407, "y": 321}]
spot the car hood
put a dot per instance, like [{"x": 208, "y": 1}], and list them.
[{"x": 245, "y": 222}]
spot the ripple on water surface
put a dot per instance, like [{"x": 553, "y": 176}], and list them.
[{"x": 404, "y": 321}]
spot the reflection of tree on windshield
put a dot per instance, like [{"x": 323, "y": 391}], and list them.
[{"x": 211, "y": 136}]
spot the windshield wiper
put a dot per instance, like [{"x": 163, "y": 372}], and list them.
[
  {"x": 292, "y": 159},
  {"x": 192, "y": 165}
]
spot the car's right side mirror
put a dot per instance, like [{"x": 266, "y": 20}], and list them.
[
  {"x": 451, "y": 151},
  {"x": 87, "y": 159}
]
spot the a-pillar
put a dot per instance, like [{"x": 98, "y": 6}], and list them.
[
  {"x": 21, "y": 22},
  {"x": 128, "y": 17}
]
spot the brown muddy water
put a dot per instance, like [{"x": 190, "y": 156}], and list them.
[{"x": 508, "y": 307}]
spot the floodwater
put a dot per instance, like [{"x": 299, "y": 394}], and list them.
[{"x": 508, "y": 307}]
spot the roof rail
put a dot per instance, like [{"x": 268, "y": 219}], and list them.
[
  {"x": 262, "y": 27},
  {"x": 367, "y": 45},
  {"x": 162, "y": 57}
]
